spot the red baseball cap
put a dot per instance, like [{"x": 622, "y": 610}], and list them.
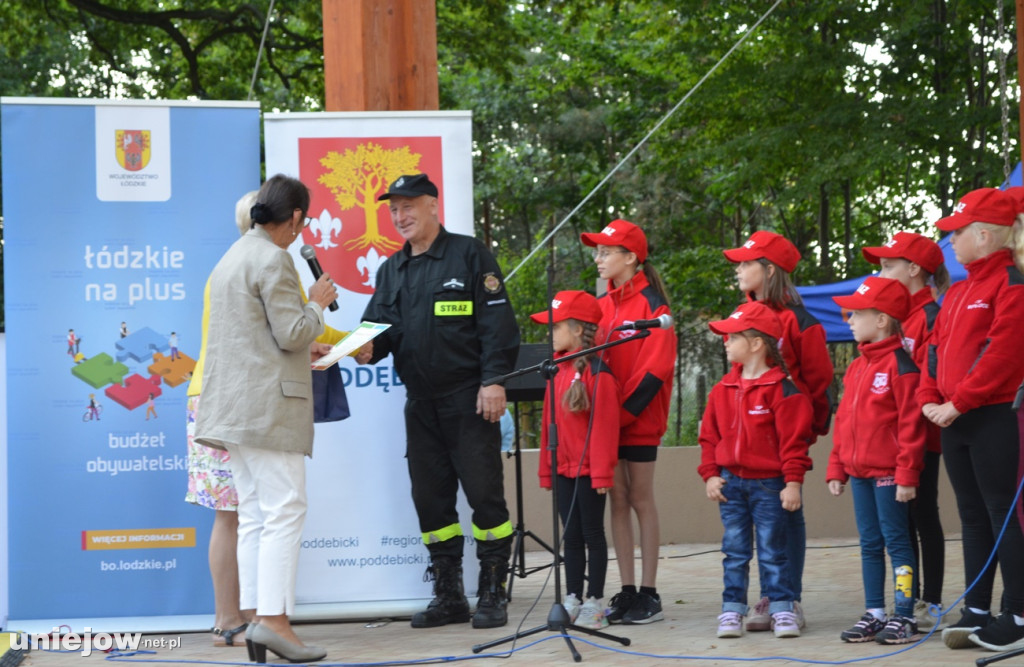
[
  {"x": 769, "y": 245},
  {"x": 619, "y": 232},
  {"x": 920, "y": 250},
  {"x": 752, "y": 315},
  {"x": 884, "y": 294},
  {"x": 574, "y": 304},
  {"x": 990, "y": 205},
  {"x": 1017, "y": 192}
]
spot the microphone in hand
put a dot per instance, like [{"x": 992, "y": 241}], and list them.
[
  {"x": 664, "y": 321},
  {"x": 309, "y": 255}
]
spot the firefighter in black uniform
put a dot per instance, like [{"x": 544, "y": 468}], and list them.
[{"x": 451, "y": 328}]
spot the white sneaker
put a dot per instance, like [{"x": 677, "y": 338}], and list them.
[
  {"x": 572, "y": 606},
  {"x": 924, "y": 613},
  {"x": 730, "y": 624},
  {"x": 592, "y": 615}
]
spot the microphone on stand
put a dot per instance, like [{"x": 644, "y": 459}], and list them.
[
  {"x": 309, "y": 255},
  {"x": 660, "y": 322}
]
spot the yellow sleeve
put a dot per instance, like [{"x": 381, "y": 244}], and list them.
[{"x": 195, "y": 385}]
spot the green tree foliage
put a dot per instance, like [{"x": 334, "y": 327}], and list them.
[{"x": 834, "y": 124}]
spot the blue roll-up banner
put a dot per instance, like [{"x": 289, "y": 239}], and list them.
[{"x": 114, "y": 215}]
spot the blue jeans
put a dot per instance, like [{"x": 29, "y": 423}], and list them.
[
  {"x": 754, "y": 503},
  {"x": 884, "y": 525}
]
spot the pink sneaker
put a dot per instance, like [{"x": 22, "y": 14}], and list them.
[{"x": 760, "y": 620}]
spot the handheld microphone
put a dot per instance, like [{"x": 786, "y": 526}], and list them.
[
  {"x": 660, "y": 322},
  {"x": 309, "y": 255}
]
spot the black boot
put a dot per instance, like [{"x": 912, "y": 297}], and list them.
[
  {"x": 492, "y": 608},
  {"x": 449, "y": 604}
]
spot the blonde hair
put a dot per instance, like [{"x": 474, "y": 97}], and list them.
[
  {"x": 1006, "y": 237},
  {"x": 242, "y": 217},
  {"x": 576, "y": 399}
]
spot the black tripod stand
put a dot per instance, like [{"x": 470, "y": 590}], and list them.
[
  {"x": 558, "y": 617},
  {"x": 521, "y": 389}
]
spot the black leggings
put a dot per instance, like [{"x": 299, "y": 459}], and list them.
[
  {"x": 925, "y": 524},
  {"x": 584, "y": 542},
  {"x": 982, "y": 450}
]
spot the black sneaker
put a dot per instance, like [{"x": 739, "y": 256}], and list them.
[
  {"x": 1003, "y": 634},
  {"x": 898, "y": 630},
  {"x": 958, "y": 635},
  {"x": 646, "y": 609},
  {"x": 866, "y": 629},
  {"x": 619, "y": 605}
]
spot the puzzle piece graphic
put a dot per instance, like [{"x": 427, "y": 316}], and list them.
[
  {"x": 140, "y": 345},
  {"x": 99, "y": 371},
  {"x": 135, "y": 392},
  {"x": 173, "y": 372}
]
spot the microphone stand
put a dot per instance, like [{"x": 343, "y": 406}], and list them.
[{"x": 558, "y": 617}]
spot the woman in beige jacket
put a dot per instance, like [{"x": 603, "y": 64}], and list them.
[{"x": 257, "y": 404}]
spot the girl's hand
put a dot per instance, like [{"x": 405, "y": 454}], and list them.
[
  {"x": 602, "y": 490},
  {"x": 940, "y": 415},
  {"x": 714, "y": 489},
  {"x": 835, "y": 487},
  {"x": 790, "y": 497},
  {"x": 904, "y": 494}
]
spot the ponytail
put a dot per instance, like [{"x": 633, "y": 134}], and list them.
[
  {"x": 577, "y": 399},
  {"x": 655, "y": 281},
  {"x": 771, "y": 346},
  {"x": 940, "y": 280},
  {"x": 1016, "y": 243}
]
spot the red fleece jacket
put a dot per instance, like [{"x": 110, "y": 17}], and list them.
[
  {"x": 576, "y": 455},
  {"x": 808, "y": 361},
  {"x": 918, "y": 330},
  {"x": 756, "y": 428},
  {"x": 976, "y": 349},
  {"x": 878, "y": 427},
  {"x": 644, "y": 368}
]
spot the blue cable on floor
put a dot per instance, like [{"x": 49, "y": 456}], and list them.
[{"x": 129, "y": 657}]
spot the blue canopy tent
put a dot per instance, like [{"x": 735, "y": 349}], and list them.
[{"x": 818, "y": 298}]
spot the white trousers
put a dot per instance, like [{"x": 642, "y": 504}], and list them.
[{"x": 271, "y": 510}]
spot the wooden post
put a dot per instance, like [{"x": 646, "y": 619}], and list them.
[{"x": 380, "y": 55}]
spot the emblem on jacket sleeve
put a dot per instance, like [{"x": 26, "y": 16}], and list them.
[{"x": 492, "y": 283}]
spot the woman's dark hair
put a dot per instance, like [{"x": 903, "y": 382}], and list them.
[{"x": 278, "y": 198}]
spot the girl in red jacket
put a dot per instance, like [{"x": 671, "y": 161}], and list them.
[
  {"x": 644, "y": 370},
  {"x": 587, "y": 417},
  {"x": 978, "y": 368},
  {"x": 753, "y": 440},
  {"x": 878, "y": 447},
  {"x": 917, "y": 262},
  {"x": 764, "y": 263}
]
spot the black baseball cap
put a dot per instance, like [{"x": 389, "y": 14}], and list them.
[{"x": 411, "y": 185}]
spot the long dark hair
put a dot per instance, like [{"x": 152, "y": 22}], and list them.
[
  {"x": 576, "y": 398},
  {"x": 278, "y": 198},
  {"x": 778, "y": 291}
]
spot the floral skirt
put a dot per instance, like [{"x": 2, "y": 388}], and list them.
[{"x": 209, "y": 475}]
